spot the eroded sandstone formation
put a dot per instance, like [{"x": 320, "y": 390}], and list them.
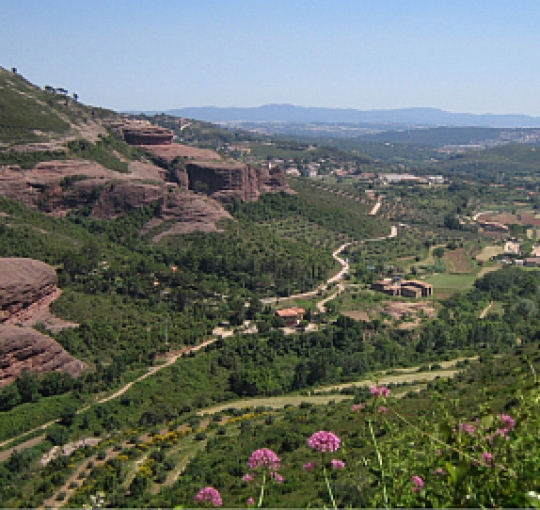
[
  {"x": 26, "y": 349},
  {"x": 60, "y": 186},
  {"x": 24, "y": 282},
  {"x": 148, "y": 136},
  {"x": 205, "y": 171},
  {"x": 227, "y": 180}
]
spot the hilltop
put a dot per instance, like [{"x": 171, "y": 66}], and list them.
[
  {"x": 77, "y": 156},
  {"x": 402, "y": 116}
]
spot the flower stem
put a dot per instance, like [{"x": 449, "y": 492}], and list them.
[
  {"x": 329, "y": 488},
  {"x": 261, "y": 495},
  {"x": 381, "y": 465}
]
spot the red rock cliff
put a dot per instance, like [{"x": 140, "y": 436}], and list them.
[
  {"x": 27, "y": 349},
  {"x": 22, "y": 283}
]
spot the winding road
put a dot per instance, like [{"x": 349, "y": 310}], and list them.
[{"x": 172, "y": 357}]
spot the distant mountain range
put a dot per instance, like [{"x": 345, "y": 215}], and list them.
[{"x": 301, "y": 114}]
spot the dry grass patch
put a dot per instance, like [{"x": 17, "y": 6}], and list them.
[
  {"x": 357, "y": 315},
  {"x": 488, "y": 252}
]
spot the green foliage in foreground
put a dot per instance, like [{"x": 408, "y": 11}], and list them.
[{"x": 445, "y": 447}]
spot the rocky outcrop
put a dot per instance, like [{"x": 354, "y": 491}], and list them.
[
  {"x": 26, "y": 349},
  {"x": 191, "y": 212},
  {"x": 167, "y": 153},
  {"x": 150, "y": 135},
  {"x": 205, "y": 171},
  {"x": 226, "y": 180},
  {"x": 198, "y": 213},
  {"x": 117, "y": 198},
  {"x": 24, "y": 282},
  {"x": 60, "y": 186}
]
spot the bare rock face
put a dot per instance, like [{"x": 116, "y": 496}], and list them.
[
  {"x": 225, "y": 180},
  {"x": 27, "y": 349},
  {"x": 118, "y": 198},
  {"x": 273, "y": 180},
  {"x": 205, "y": 171},
  {"x": 24, "y": 282},
  {"x": 192, "y": 212},
  {"x": 168, "y": 153},
  {"x": 60, "y": 186},
  {"x": 149, "y": 135}
]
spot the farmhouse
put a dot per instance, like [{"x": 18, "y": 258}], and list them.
[
  {"x": 292, "y": 316},
  {"x": 532, "y": 261},
  {"x": 406, "y": 288}
]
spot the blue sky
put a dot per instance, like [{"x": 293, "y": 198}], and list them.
[{"x": 477, "y": 56}]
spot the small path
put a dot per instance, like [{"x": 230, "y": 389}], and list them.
[
  {"x": 375, "y": 209},
  {"x": 321, "y": 305},
  {"x": 485, "y": 310},
  {"x": 338, "y": 276},
  {"x": 409, "y": 374},
  {"x": 151, "y": 371}
]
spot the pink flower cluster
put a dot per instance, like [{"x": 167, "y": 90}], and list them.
[
  {"x": 487, "y": 457},
  {"x": 338, "y": 464},
  {"x": 379, "y": 391},
  {"x": 277, "y": 477},
  {"x": 418, "y": 483},
  {"x": 358, "y": 407},
  {"x": 209, "y": 496},
  {"x": 508, "y": 424},
  {"x": 324, "y": 441},
  {"x": 468, "y": 428},
  {"x": 264, "y": 458}
]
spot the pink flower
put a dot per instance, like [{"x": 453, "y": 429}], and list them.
[
  {"x": 379, "y": 391},
  {"x": 383, "y": 409},
  {"x": 439, "y": 452},
  {"x": 508, "y": 422},
  {"x": 209, "y": 495},
  {"x": 264, "y": 458},
  {"x": 468, "y": 428},
  {"x": 358, "y": 407},
  {"x": 277, "y": 477},
  {"x": 324, "y": 441},
  {"x": 439, "y": 471},
  {"x": 250, "y": 502},
  {"x": 310, "y": 466},
  {"x": 248, "y": 478},
  {"x": 487, "y": 457},
  {"x": 338, "y": 464},
  {"x": 418, "y": 483}
]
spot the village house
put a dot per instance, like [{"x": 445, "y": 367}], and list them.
[
  {"x": 532, "y": 261},
  {"x": 292, "y": 316},
  {"x": 405, "y": 288}
]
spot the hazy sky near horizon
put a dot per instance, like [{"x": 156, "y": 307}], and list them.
[{"x": 477, "y": 56}]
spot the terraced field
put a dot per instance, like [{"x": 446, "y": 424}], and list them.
[{"x": 305, "y": 231}]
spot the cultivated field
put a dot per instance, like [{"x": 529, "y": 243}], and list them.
[{"x": 457, "y": 261}]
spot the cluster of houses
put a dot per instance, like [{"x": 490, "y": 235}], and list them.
[{"x": 405, "y": 288}]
